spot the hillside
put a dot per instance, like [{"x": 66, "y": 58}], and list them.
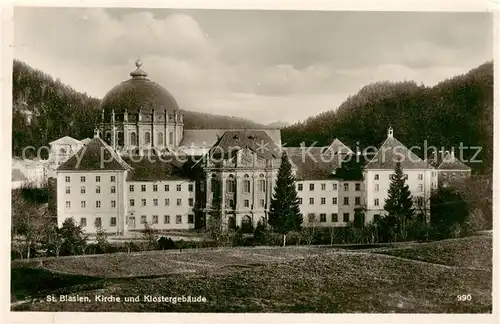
[
  {"x": 45, "y": 109},
  {"x": 456, "y": 110}
]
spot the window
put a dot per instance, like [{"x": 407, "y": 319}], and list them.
[
  {"x": 178, "y": 219},
  {"x": 98, "y": 189},
  {"x": 113, "y": 203},
  {"x": 98, "y": 204},
  {"x": 132, "y": 202},
  {"x": 179, "y": 201},
  {"x": 98, "y": 222},
  {"x": 420, "y": 187},
  {"x": 262, "y": 185},
  {"x": 190, "y": 187},
  {"x": 143, "y": 188},
  {"x": 376, "y": 218},
  {"x": 166, "y": 219},
  {"x": 191, "y": 202},
  {"x": 346, "y": 187},
  {"x": 311, "y": 201},
  {"x": 346, "y": 200},
  {"x": 179, "y": 187},
  {"x": 376, "y": 177},
  {"x": 82, "y": 189},
  {"x": 82, "y": 179},
  {"x": 311, "y": 186},
  {"x": 311, "y": 217},
  {"x": 358, "y": 186},
  {"x": 377, "y": 187},
  {"x": 335, "y": 217},
  {"x": 346, "y": 217},
  {"x": 155, "y": 201},
  {"x": 322, "y": 218},
  {"x": 143, "y": 202},
  {"x": 376, "y": 202},
  {"x": 83, "y": 204},
  {"x": 131, "y": 188},
  {"x": 83, "y": 222},
  {"x": 357, "y": 200},
  {"x": 68, "y": 190},
  {"x": 190, "y": 219},
  {"x": 143, "y": 219},
  {"x": 300, "y": 201},
  {"x": 420, "y": 176},
  {"x": 147, "y": 138},
  {"x": 68, "y": 204},
  {"x": 167, "y": 188},
  {"x": 113, "y": 179},
  {"x": 113, "y": 189},
  {"x": 97, "y": 178},
  {"x": 230, "y": 185},
  {"x": 334, "y": 187},
  {"x": 155, "y": 219},
  {"x": 155, "y": 187},
  {"x": 246, "y": 203},
  {"x": 263, "y": 203},
  {"x": 323, "y": 186},
  {"x": 112, "y": 221},
  {"x": 167, "y": 201},
  {"x": 334, "y": 200},
  {"x": 159, "y": 141},
  {"x": 171, "y": 138},
  {"x": 67, "y": 179},
  {"x": 299, "y": 186},
  {"x": 246, "y": 186},
  {"x": 323, "y": 200}
]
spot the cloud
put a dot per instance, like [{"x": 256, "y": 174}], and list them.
[{"x": 264, "y": 65}]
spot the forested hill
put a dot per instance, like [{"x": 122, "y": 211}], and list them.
[
  {"x": 57, "y": 110},
  {"x": 456, "y": 110}
]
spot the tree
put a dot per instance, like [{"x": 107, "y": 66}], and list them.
[
  {"x": 101, "y": 238},
  {"x": 448, "y": 212},
  {"x": 399, "y": 205},
  {"x": 53, "y": 240},
  {"x": 150, "y": 236},
  {"x": 284, "y": 213},
  {"x": 75, "y": 242}
]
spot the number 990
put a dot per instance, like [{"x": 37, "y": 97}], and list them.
[{"x": 464, "y": 297}]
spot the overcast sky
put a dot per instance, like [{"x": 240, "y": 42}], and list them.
[{"x": 263, "y": 65}]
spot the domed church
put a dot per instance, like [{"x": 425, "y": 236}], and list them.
[{"x": 139, "y": 114}]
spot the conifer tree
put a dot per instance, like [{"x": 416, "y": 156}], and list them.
[
  {"x": 399, "y": 205},
  {"x": 284, "y": 213}
]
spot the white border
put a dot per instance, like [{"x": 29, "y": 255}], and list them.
[{"x": 357, "y": 5}]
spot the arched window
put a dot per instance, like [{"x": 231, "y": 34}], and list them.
[
  {"x": 170, "y": 138},
  {"x": 133, "y": 139},
  {"x": 230, "y": 184},
  {"x": 120, "y": 139},
  {"x": 147, "y": 138},
  {"x": 246, "y": 184},
  {"x": 159, "y": 141}
]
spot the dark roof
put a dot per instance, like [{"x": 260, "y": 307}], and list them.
[
  {"x": 338, "y": 147},
  {"x": 393, "y": 151},
  {"x": 96, "y": 155},
  {"x": 450, "y": 162},
  {"x": 138, "y": 92},
  {"x": 17, "y": 175},
  {"x": 208, "y": 137},
  {"x": 314, "y": 166},
  {"x": 154, "y": 168},
  {"x": 258, "y": 141}
]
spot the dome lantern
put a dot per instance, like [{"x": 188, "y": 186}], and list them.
[{"x": 138, "y": 73}]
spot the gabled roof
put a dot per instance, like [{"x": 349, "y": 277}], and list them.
[
  {"x": 450, "y": 162},
  {"x": 338, "y": 147},
  {"x": 17, "y": 175},
  {"x": 313, "y": 165},
  {"x": 393, "y": 151},
  {"x": 95, "y": 156},
  {"x": 66, "y": 140},
  {"x": 154, "y": 168},
  {"x": 258, "y": 141},
  {"x": 208, "y": 137}
]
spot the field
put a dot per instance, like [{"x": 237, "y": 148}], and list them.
[{"x": 422, "y": 278}]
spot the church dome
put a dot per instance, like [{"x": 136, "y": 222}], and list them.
[{"x": 136, "y": 93}]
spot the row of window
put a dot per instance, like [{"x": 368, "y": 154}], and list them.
[
  {"x": 246, "y": 203},
  {"x": 334, "y": 217},
  {"x": 98, "y": 222},
  {"x": 83, "y": 189},
  {"x": 405, "y": 176},
  {"x": 357, "y": 201},
  {"x": 357, "y": 186},
  {"x": 166, "y": 202},
  {"x": 84, "y": 178},
  {"x": 246, "y": 185},
  {"x": 166, "y": 219},
  {"x": 131, "y": 188},
  {"x": 418, "y": 200}
]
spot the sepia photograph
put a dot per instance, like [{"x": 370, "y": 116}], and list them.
[{"x": 169, "y": 160}]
